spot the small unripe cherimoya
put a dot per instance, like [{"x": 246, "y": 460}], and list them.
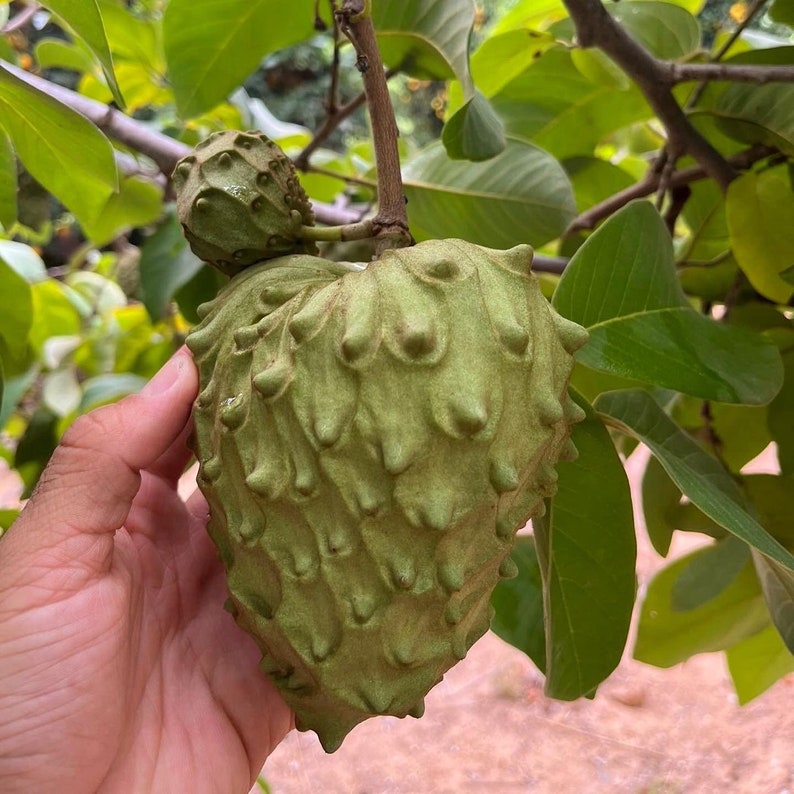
[
  {"x": 370, "y": 440},
  {"x": 240, "y": 201}
]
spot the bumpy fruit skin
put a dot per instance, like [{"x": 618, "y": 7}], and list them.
[
  {"x": 240, "y": 201},
  {"x": 370, "y": 440}
]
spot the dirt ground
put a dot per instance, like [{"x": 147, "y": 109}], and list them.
[{"x": 489, "y": 729}]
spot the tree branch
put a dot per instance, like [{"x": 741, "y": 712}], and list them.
[
  {"x": 685, "y": 72},
  {"x": 161, "y": 149},
  {"x": 589, "y": 218},
  {"x": 391, "y": 220},
  {"x": 596, "y": 28}
]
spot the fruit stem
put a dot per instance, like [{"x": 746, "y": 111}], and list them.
[
  {"x": 364, "y": 230},
  {"x": 390, "y": 224}
]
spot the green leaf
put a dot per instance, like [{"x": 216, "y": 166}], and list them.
[
  {"x": 666, "y": 637},
  {"x": 594, "y": 180},
  {"x": 36, "y": 446},
  {"x": 201, "y": 288},
  {"x": 777, "y": 584},
  {"x": 782, "y": 11},
  {"x": 7, "y": 517},
  {"x": 14, "y": 390},
  {"x": 760, "y": 213},
  {"x": 709, "y": 574},
  {"x": 530, "y": 15},
  {"x": 63, "y": 151},
  {"x": 758, "y": 662},
  {"x": 59, "y": 54},
  {"x": 475, "y": 132},
  {"x": 139, "y": 202},
  {"x": 521, "y": 196},
  {"x": 704, "y": 215},
  {"x": 587, "y": 553},
  {"x": 660, "y": 497},
  {"x": 166, "y": 265},
  {"x": 752, "y": 113},
  {"x": 779, "y": 416},
  {"x": 621, "y": 285},
  {"x": 84, "y": 19},
  {"x": 425, "y": 38},
  {"x": 518, "y": 605},
  {"x": 24, "y": 260},
  {"x": 698, "y": 475},
  {"x": 212, "y": 46},
  {"x": 16, "y": 310},
  {"x": 742, "y": 433},
  {"x": 773, "y": 497},
  {"x": 501, "y": 58},
  {"x": 554, "y": 105},
  {"x": 8, "y": 182},
  {"x": 667, "y": 30}
]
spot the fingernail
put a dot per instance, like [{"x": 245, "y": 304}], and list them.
[{"x": 166, "y": 377}]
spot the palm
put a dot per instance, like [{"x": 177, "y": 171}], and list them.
[{"x": 140, "y": 677}]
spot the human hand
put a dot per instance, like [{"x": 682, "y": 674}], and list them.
[{"x": 120, "y": 671}]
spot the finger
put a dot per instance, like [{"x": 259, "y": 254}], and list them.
[
  {"x": 171, "y": 464},
  {"x": 93, "y": 476}
]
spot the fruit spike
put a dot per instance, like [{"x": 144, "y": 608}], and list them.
[{"x": 396, "y": 425}]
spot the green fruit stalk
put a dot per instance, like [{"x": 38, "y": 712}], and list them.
[{"x": 370, "y": 439}]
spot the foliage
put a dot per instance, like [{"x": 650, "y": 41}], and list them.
[{"x": 684, "y": 281}]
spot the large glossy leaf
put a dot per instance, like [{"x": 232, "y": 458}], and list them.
[
  {"x": 777, "y": 584},
  {"x": 667, "y": 30},
  {"x": 621, "y": 285},
  {"x": 709, "y": 574},
  {"x": 758, "y": 662},
  {"x": 699, "y": 476},
  {"x": 66, "y": 153},
  {"x": 426, "y": 38},
  {"x": 587, "y": 552},
  {"x": 8, "y": 182},
  {"x": 211, "y": 46},
  {"x": 553, "y": 104},
  {"x": 529, "y": 15},
  {"x": 760, "y": 214},
  {"x": 518, "y": 605},
  {"x": 753, "y": 113},
  {"x": 430, "y": 39},
  {"x": 521, "y": 196},
  {"x": 84, "y": 18},
  {"x": 475, "y": 132},
  {"x": 667, "y": 636}
]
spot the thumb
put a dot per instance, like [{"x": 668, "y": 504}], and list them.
[{"x": 94, "y": 474}]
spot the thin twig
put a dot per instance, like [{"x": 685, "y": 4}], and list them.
[
  {"x": 647, "y": 186},
  {"x": 596, "y": 28},
  {"x": 161, "y": 149},
  {"x": 721, "y": 52},
  {"x": 735, "y": 73},
  {"x": 21, "y": 19}
]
